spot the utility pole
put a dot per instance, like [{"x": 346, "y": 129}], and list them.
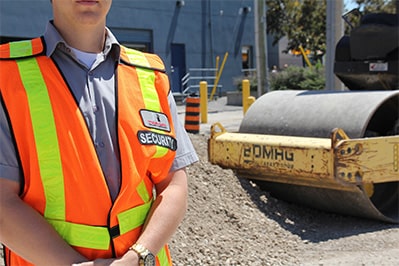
[
  {"x": 335, "y": 30},
  {"x": 261, "y": 46}
]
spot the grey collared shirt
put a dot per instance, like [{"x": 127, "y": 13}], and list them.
[{"x": 94, "y": 91}]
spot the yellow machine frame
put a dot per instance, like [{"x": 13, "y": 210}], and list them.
[{"x": 336, "y": 163}]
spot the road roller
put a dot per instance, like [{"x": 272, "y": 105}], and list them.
[{"x": 334, "y": 150}]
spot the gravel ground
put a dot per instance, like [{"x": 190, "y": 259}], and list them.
[{"x": 230, "y": 221}]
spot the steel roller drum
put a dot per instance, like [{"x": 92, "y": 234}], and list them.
[{"x": 316, "y": 114}]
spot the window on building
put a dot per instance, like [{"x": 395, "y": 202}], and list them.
[
  {"x": 135, "y": 38},
  {"x": 247, "y": 61}
]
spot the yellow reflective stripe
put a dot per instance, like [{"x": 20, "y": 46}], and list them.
[
  {"x": 20, "y": 49},
  {"x": 97, "y": 237},
  {"x": 163, "y": 257},
  {"x": 148, "y": 90},
  {"x": 45, "y": 135},
  {"x": 146, "y": 79},
  {"x": 81, "y": 235},
  {"x": 150, "y": 95},
  {"x": 133, "y": 218},
  {"x": 151, "y": 99},
  {"x": 142, "y": 191}
]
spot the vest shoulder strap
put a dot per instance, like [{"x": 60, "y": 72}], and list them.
[
  {"x": 142, "y": 60},
  {"x": 22, "y": 49}
]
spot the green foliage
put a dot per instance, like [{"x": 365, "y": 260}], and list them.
[
  {"x": 302, "y": 21},
  {"x": 376, "y": 6},
  {"x": 298, "y": 78},
  {"x": 253, "y": 82},
  {"x": 369, "y": 6}
]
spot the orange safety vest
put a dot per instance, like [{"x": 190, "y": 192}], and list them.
[{"x": 63, "y": 179}]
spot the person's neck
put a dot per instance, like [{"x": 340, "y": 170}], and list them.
[{"x": 89, "y": 39}]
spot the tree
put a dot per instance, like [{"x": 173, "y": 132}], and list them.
[
  {"x": 302, "y": 21},
  {"x": 364, "y": 7},
  {"x": 375, "y": 6}
]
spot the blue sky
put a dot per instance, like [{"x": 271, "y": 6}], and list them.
[{"x": 349, "y": 4}]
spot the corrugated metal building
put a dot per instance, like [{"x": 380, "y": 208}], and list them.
[{"x": 186, "y": 34}]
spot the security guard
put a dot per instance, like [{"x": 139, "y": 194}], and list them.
[{"x": 88, "y": 129}]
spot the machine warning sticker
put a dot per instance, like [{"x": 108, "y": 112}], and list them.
[{"x": 378, "y": 67}]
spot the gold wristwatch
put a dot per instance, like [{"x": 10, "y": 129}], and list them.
[{"x": 146, "y": 258}]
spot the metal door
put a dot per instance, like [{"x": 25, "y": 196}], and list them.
[{"x": 178, "y": 67}]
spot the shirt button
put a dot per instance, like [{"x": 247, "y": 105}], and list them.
[
  {"x": 95, "y": 108},
  {"x": 99, "y": 144}
]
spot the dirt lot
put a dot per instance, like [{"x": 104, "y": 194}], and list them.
[{"x": 231, "y": 222}]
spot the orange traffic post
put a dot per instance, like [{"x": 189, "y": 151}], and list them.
[{"x": 192, "y": 120}]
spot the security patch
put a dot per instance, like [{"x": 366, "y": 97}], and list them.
[
  {"x": 153, "y": 138},
  {"x": 155, "y": 120}
]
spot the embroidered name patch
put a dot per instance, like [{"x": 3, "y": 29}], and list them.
[
  {"x": 152, "y": 138},
  {"x": 155, "y": 120}
]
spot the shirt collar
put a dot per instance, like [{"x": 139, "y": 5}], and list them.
[{"x": 53, "y": 40}]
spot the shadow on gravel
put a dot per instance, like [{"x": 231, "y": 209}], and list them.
[{"x": 310, "y": 224}]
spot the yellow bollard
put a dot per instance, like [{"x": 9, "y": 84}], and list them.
[
  {"x": 250, "y": 100},
  {"x": 219, "y": 73},
  {"x": 245, "y": 95},
  {"x": 204, "y": 101}
]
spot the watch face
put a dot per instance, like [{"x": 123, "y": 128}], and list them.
[{"x": 149, "y": 260}]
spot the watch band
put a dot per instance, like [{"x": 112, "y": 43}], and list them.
[{"x": 146, "y": 258}]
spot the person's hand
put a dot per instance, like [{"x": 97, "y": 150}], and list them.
[
  {"x": 130, "y": 258},
  {"x": 97, "y": 262}
]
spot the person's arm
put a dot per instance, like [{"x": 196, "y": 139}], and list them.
[
  {"x": 165, "y": 215},
  {"x": 27, "y": 233},
  {"x": 167, "y": 211},
  {"x": 170, "y": 206}
]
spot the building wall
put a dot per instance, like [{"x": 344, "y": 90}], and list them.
[
  {"x": 23, "y": 19},
  {"x": 205, "y": 29},
  {"x": 287, "y": 59}
]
